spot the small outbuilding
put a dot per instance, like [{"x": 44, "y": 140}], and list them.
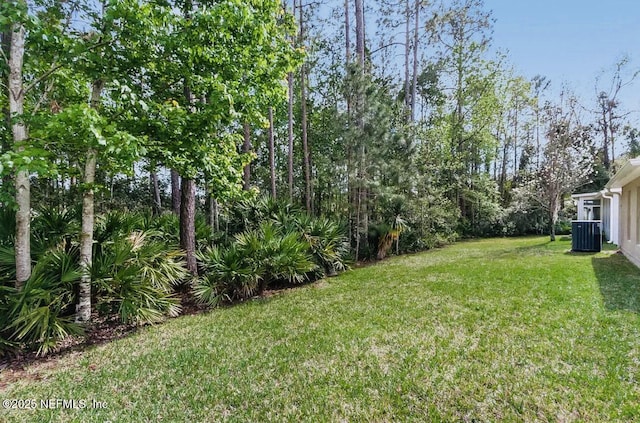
[{"x": 600, "y": 206}]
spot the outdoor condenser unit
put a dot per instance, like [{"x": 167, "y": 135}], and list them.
[{"x": 586, "y": 235}]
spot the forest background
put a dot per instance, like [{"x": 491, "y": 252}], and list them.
[{"x": 157, "y": 151}]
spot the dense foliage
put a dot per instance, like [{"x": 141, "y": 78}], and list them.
[{"x": 150, "y": 154}]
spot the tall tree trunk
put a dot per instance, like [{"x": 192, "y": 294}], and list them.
[
  {"x": 187, "y": 223},
  {"x": 407, "y": 49},
  {"x": 19, "y": 131},
  {"x": 83, "y": 308},
  {"x": 552, "y": 226},
  {"x": 188, "y": 191},
  {"x": 416, "y": 39},
  {"x": 605, "y": 133},
  {"x": 358, "y": 216},
  {"x": 349, "y": 147},
  {"x": 495, "y": 161},
  {"x": 611, "y": 135},
  {"x": 515, "y": 142},
  {"x": 347, "y": 32},
  {"x": 290, "y": 134},
  {"x": 290, "y": 83},
  {"x": 5, "y": 45},
  {"x": 246, "y": 148},
  {"x": 155, "y": 192},
  {"x": 175, "y": 192},
  {"x": 537, "y": 135},
  {"x": 360, "y": 32},
  {"x": 272, "y": 154},
  {"x": 554, "y": 210},
  {"x": 303, "y": 107},
  {"x": 215, "y": 214},
  {"x": 362, "y": 218},
  {"x": 503, "y": 168}
]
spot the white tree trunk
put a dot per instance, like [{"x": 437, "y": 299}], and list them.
[
  {"x": 272, "y": 156},
  {"x": 19, "y": 131},
  {"x": 83, "y": 308},
  {"x": 303, "y": 122},
  {"x": 407, "y": 47},
  {"x": 416, "y": 40},
  {"x": 246, "y": 148},
  {"x": 290, "y": 135}
]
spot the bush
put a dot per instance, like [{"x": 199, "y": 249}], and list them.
[
  {"x": 250, "y": 213},
  {"x": 257, "y": 259},
  {"x": 228, "y": 276},
  {"x": 135, "y": 278},
  {"x": 431, "y": 222},
  {"x": 7, "y": 298},
  {"x": 41, "y": 314},
  {"x": 51, "y": 227},
  {"x": 327, "y": 243}
]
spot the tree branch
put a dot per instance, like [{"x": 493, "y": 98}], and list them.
[
  {"x": 395, "y": 43},
  {"x": 55, "y": 67}
]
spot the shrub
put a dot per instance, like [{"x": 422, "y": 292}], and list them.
[
  {"x": 51, "y": 227},
  {"x": 41, "y": 314},
  {"x": 165, "y": 226},
  {"x": 227, "y": 276},
  {"x": 135, "y": 277},
  {"x": 250, "y": 213},
  {"x": 256, "y": 259},
  {"x": 7, "y": 265},
  {"x": 134, "y": 274},
  {"x": 327, "y": 243},
  {"x": 116, "y": 225},
  {"x": 275, "y": 255},
  {"x": 7, "y": 296}
]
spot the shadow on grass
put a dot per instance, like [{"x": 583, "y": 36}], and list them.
[{"x": 619, "y": 282}]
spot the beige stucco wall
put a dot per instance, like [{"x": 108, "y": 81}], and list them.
[{"x": 630, "y": 221}]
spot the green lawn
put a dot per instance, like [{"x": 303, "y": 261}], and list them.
[{"x": 492, "y": 330}]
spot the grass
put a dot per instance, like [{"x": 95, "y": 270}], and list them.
[{"x": 491, "y": 330}]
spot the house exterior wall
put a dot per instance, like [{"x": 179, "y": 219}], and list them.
[
  {"x": 614, "y": 219},
  {"x": 630, "y": 221},
  {"x": 605, "y": 211}
]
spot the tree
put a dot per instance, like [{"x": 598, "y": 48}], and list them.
[
  {"x": 45, "y": 31},
  {"x": 539, "y": 84},
  {"x": 567, "y": 163},
  {"x": 16, "y": 95},
  {"x": 303, "y": 121},
  {"x": 223, "y": 77},
  {"x": 272, "y": 155},
  {"x": 609, "y": 115},
  {"x": 462, "y": 32},
  {"x": 633, "y": 136}
]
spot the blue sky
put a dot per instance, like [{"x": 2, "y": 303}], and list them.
[{"x": 570, "y": 41}]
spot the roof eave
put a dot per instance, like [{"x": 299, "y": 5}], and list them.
[{"x": 626, "y": 174}]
